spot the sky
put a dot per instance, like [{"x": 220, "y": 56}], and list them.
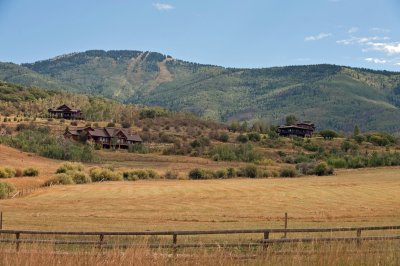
[{"x": 231, "y": 33}]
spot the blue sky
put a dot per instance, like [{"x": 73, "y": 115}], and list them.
[{"x": 235, "y": 33}]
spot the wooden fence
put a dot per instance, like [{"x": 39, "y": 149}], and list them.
[{"x": 101, "y": 238}]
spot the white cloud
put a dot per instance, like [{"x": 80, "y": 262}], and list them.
[
  {"x": 163, "y": 7},
  {"x": 376, "y": 60},
  {"x": 352, "y": 30},
  {"x": 362, "y": 40},
  {"x": 379, "y": 30},
  {"x": 318, "y": 37},
  {"x": 388, "y": 48}
]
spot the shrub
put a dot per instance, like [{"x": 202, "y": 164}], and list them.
[
  {"x": 231, "y": 172},
  {"x": 171, "y": 174},
  {"x": 18, "y": 172},
  {"x": 242, "y": 138},
  {"x": 31, "y": 172},
  {"x": 104, "y": 174},
  {"x": 7, "y": 172},
  {"x": 288, "y": 172},
  {"x": 65, "y": 167},
  {"x": 306, "y": 168},
  {"x": 197, "y": 174},
  {"x": 323, "y": 169},
  {"x": 137, "y": 148},
  {"x": 222, "y": 173},
  {"x": 337, "y": 162},
  {"x": 254, "y": 136},
  {"x": 139, "y": 174},
  {"x": 111, "y": 124},
  {"x": 5, "y": 189},
  {"x": 74, "y": 123},
  {"x": 249, "y": 171},
  {"x": 381, "y": 138},
  {"x": 60, "y": 179},
  {"x": 328, "y": 134},
  {"x": 126, "y": 124},
  {"x": 223, "y": 137},
  {"x": 79, "y": 177}
]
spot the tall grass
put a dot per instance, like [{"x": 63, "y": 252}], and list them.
[{"x": 386, "y": 253}]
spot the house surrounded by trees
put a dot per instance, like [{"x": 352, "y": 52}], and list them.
[
  {"x": 303, "y": 129},
  {"x": 107, "y": 137},
  {"x": 65, "y": 112}
]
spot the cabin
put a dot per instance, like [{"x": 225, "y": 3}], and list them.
[
  {"x": 107, "y": 137},
  {"x": 303, "y": 129},
  {"x": 65, "y": 112}
]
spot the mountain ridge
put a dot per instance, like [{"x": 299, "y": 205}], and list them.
[{"x": 333, "y": 96}]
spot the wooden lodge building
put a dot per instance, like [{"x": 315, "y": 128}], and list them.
[
  {"x": 65, "y": 112},
  {"x": 304, "y": 129},
  {"x": 108, "y": 137}
]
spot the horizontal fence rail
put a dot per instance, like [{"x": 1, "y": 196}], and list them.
[{"x": 264, "y": 241}]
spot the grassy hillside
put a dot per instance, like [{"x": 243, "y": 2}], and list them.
[{"x": 331, "y": 96}]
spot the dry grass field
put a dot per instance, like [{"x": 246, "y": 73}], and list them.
[{"x": 356, "y": 197}]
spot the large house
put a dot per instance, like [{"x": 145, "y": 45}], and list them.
[
  {"x": 65, "y": 112},
  {"x": 108, "y": 137},
  {"x": 303, "y": 129}
]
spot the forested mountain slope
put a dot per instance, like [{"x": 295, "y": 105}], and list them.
[{"x": 332, "y": 96}]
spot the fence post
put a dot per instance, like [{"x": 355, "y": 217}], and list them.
[
  {"x": 266, "y": 237},
  {"x": 17, "y": 235},
  {"x": 286, "y": 221},
  {"x": 101, "y": 238},
  {"x": 174, "y": 241},
  {"x": 359, "y": 237}
]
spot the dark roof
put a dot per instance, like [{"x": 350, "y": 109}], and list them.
[
  {"x": 64, "y": 108},
  {"x": 106, "y": 132}
]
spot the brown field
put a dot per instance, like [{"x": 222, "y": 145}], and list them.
[
  {"x": 350, "y": 198},
  {"x": 356, "y": 197}
]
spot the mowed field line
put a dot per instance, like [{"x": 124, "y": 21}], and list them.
[{"x": 356, "y": 197}]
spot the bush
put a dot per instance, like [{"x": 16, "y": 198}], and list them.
[
  {"x": 139, "y": 174},
  {"x": 249, "y": 171},
  {"x": 222, "y": 173},
  {"x": 337, "y": 162},
  {"x": 323, "y": 169},
  {"x": 328, "y": 134},
  {"x": 5, "y": 189},
  {"x": 60, "y": 179},
  {"x": 65, "y": 167},
  {"x": 223, "y": 137},
  {"x": 231, "y": 172},
  {"x": 7, "y": 172},
  {"x": 137, "y": 148},
  {"x": 111, "y": 124},
  {"x": 288, "y": 172},
  {"x": 242, "y": 138},
  {"x": 104, "y": 174},
  {"x": 306, "y": 168},
  {"x": 254, "y": 136},
  {"x": 381, "y": 139},
  {"x": 197, "y": 174},
  {"x": 18, "y": 172},
  {"x": 171, "y": 174},
  {"x": 126, "y": 124},
  {"x": 31, "y": 172},
  {"x": 74, "y": 123},
  {"x": 79, "y": 177}
]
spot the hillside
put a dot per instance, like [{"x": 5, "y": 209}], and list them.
[{"x": 332, "y": 96}]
